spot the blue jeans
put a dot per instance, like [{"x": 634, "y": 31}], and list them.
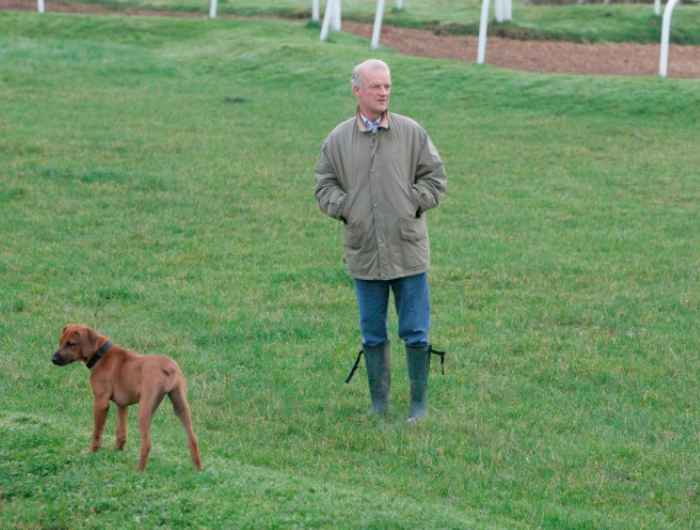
[{"x": 412, "y": 299}]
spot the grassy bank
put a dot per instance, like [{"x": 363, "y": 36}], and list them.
[
  {"x": 577, "y": 23},
  {"x": 156, "y": 182}
]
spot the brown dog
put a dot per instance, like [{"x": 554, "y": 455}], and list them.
[{"x": 126, "y": 378}]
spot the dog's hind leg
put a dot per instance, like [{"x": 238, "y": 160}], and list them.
[
  {"x": 121, "y": 427},
  {"x": 178, "y": 397},
  {"x": 147, "y": 406}
]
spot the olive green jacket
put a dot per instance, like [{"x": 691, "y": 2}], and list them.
[{"x": 380, "y": 184}]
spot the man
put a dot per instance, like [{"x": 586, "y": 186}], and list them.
[{"x": 379, "y": 173}]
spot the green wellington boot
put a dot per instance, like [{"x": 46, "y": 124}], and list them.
[
  {"x": 418, "y": 362},
  {"x": 378, "y": 376}
]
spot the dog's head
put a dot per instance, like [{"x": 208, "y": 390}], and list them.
[{"x": 77, "y": 343}]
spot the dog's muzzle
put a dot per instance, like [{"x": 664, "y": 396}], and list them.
[{"x": 57, "y": 359}]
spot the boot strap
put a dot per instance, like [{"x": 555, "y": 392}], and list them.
[
  {"x": 354, "y": 366},
  {"x": 431, "y": 351},
  {"x": 441, "y": 354}
]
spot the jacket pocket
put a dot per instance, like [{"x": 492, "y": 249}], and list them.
[
  {"x": 412, "y": 229},
  {"x": 354, "y": 235}
]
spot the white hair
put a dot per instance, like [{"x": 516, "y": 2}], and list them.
[{"x": 369, "y": 64}]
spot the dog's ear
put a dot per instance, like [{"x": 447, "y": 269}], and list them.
[
  {"x": 65, "y": 330},
  {"x": 88, "y": 338}
]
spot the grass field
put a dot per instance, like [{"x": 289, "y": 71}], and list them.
[
  {"x": 578, "y": 23},
  {"x": 156, "y": 182}
]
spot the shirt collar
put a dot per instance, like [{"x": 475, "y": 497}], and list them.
[{"x": 368, "y": 126}]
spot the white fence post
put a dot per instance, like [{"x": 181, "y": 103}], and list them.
[
  {"x": 213, "y": 8},
  {"x": 483, "y": 29},
  {"x": 378, "y": 15},
  {"x": 399, "y": 4},
  {"x": 40, "y": 6},
  {"x": 657, "y": 8},
  {"x": 337, "y": 16},
  {"x": 666, "y": 37},
  {"x": 498, "y": 10},
  {"x": 503, "y": 10},
  {"x": 326, "y": 26}
]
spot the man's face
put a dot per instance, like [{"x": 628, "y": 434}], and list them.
[{"x": 373, "y": 93}]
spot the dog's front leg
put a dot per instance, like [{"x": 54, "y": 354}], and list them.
[
  {"x": 121, "y": 427},
  {"x": 100, "y": 410}
]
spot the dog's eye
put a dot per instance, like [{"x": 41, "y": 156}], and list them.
[{"x": 70, "y": 344}]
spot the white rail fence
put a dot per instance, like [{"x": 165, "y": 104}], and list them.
[{"x": 503, "y": 11}]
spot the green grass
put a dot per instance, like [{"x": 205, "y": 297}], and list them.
[
  {"x": 156, "y": 182},
  {"x": 585, "y": 23}
]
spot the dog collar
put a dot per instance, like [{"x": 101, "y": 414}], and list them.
[{"x": 99, "y": 353}]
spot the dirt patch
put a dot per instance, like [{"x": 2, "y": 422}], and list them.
[
  {"x": 541, "y": 56},
  {"x": 530, "y": 55}
]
